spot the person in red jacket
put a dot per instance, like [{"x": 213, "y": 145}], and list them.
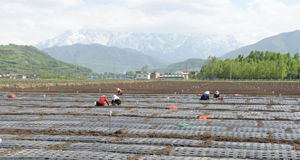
[
  {"x": 120, "y": 92},
  {"x": 102, "y": 101}
]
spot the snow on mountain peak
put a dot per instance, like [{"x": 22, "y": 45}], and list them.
[{"x": 184, "y": 46}]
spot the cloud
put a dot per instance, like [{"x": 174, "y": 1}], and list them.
[
  {"x": 269, "y": 17},
  {"x": 33, "y": 21},
  {"x": 46, "y": 4},
  {"x": 173, "y": 6}
]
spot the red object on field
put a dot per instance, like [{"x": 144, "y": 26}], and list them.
[
  {"x": 205, "y": 117},
  {"x": 199, "y": 94},
  {"x": 12, "y": 96},
  {"x": 173, "y": 107},
  {"x": 236, "y": 95}
]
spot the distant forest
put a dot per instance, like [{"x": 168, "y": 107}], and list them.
[{"x": 258, "y": 65}]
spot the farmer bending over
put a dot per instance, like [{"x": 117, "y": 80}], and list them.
[
  {"x": 115, "y": 100},
  {"x": 120, "y": 92},
  {"x": 217, "y": 95},
  {"x": 102, "y": 101},
  {"x": 205, "y": 96}
]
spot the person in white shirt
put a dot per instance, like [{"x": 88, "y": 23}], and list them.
[{"x": 115, "y": 100}]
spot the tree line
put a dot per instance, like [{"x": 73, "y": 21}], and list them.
[{"x": 257, "y": 65}]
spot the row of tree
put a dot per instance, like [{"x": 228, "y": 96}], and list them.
[{"x": 257, "y": 65}]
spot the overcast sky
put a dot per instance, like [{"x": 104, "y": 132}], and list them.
[{"x": 29, "y": 22}]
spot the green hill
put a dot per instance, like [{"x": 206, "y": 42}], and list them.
[
  {"x": 103, "y": 59},
  {"x": 282, "y": 43},
  {"x": 192, "y": 64},
  {"x": 20, "y": 59}
]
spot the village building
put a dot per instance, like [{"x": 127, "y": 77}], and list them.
[
  {"x": 154, "y": 75},
  {"x": 20, "y": 76},
  {"x": 176, "y": 75},
  {"x": 141, "y": 75}
]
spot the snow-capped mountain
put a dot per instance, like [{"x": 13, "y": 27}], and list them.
[{"x": 171, "y": 47}]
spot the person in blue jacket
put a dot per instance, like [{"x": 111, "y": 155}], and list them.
[{"x": 205, "y": 96}]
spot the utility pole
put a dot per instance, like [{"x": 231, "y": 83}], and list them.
[
  {"x": 186, "y": 66},
  {"x": 186, "y": 73},
  {"x": 155, "y": 71},
  {"x": 193, "y": 67},
  {"x": 114, "y": 73},
  {"x": 194, "y": 71},
  {"x": 75, "y": 65},
  {"x": 230, "y": 69}
]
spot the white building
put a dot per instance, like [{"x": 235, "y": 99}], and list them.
[
  {"x": 20, "y": 76},
  {"x": 140, "y": 75}
]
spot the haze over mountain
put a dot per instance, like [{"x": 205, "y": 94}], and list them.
[
  {"x": 171, "y": 47},
  {"x": 103, "y": 59},
  {"x": 193, "y": 64},
  {"x": 284, "y": 43}
]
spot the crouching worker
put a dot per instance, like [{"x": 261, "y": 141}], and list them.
[
  {"x": 205, "y": 96},
  {"x": 115, "y": 100},
  {"x": 102, "y": 101},
  {"x": 216, "y": 95},
  {"x": 120, "y": 92}
]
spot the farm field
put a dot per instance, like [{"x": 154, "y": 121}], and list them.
[
  {"x": 61, "y": 122},
  {"x": 157, "y": 87}
]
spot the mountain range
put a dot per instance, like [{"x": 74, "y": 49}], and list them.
[
  {"x": 103, "y": 59},
  {"x": 119, "y": 60},
  {"x": 283, "y": 43},
  {"x": 170, "y": 47}
]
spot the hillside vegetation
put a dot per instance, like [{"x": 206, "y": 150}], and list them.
[
  {"x": 19, "y": 59},
  {"x": 258, "y": 65}
]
